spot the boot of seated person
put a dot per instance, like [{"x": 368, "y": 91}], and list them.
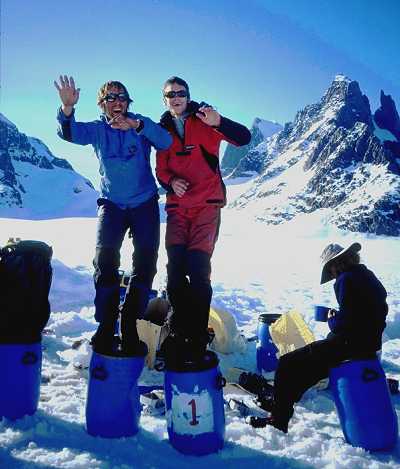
[
  {"x": 280, "y": 415},
  {"x": 281, "y": 425}
]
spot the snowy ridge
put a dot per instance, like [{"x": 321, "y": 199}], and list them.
[
  {"x": 35, "y": 184},
  {"x": 267, "y": 128},
  {"x": 328, "y": 160},
  {"x": 6, "y": 121}
]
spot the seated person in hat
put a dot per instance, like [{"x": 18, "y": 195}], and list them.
[{"x": 356, "y": 331}]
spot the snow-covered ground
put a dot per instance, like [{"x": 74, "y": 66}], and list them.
[{"x": 256, "y": 269}]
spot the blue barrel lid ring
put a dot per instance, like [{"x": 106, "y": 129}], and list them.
[{"x": 269, "y": 318}]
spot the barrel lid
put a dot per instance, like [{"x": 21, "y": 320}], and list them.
[
  {"x": 207, "y": 362},
  {"x": 269, "y": 318}
]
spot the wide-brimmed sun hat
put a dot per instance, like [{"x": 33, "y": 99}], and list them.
[{"x": 333, "y": 252}]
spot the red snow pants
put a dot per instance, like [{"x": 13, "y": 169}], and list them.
[
  {"x": 190, "y": 239},
  {"x": 196, "y": 228}
]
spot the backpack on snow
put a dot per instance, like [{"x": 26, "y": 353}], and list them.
[{"x": 25, "y": 280}]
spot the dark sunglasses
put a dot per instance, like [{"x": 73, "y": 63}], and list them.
[
  {"x": 111, "y": 97},
  {"x": 172, "y": 94}
]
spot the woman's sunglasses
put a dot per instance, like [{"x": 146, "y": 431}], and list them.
[{"x": 111, "y": 97}]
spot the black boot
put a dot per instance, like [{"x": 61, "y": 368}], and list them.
[
  {"x": 279, "y": 424},
  {"x": 105, "y": 344},
  {"x": 104, "y": 340},
  {"x": 138, "y": 349},
  {"x": 281, "y": 413},
  {"x": 261, "y": 422},
  {"x": 180, "y": 350},
  {"x": 256, "y": 384},
  {"x": 130, "y": 311}
]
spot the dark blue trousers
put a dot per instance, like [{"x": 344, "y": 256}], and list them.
[
  {"x": 189, "y": 290},
  {"x": 143, "y": 223},
  {"x": 297, "y": 371}
]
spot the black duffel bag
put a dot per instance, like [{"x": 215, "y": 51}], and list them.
[{"x": 25, "y": 280}]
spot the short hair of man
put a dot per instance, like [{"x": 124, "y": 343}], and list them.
[
  {"x": 111, "y": 84},
  {"x": 178, "y": 81}
]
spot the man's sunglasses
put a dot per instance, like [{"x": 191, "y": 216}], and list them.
[
  {"x": 111, "y": 97},
  {"x": 173, "y": 94}
]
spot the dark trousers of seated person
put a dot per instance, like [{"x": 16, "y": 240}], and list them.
[
  {"x": 301, "y": 369},
  {"x": 143, "y": 222}
]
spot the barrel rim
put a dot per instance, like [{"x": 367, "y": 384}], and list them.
[
  {"x": 209, "y": 361},
  {"x": 269, "y": 318}
]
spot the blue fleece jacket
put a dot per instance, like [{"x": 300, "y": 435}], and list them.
[
  {"x": 362, "y": 309},
  {"x": 124, "y": 155}
]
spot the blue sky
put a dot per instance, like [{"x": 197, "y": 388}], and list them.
[{"x": 250, "y": 58}]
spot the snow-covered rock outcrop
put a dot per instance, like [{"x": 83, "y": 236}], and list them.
[
  {"x": 34, "y": 184},
  {"x": 239, "y": 160}
]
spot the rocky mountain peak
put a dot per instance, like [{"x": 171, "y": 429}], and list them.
[
  {"x": 27, "y": 167},
  {"x": 329, "y": 160},
  {"x": 387, "y": 117},
  {"x": 346, "y": 99},
  {"x": 337, "y": 91}
]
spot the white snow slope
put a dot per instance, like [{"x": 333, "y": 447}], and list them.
[
  {"x": 45, "y": 187},
  {"x": 256, "y": 269}
]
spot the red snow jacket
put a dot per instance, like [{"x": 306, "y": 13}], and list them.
[{"x": 195, "y": 159}]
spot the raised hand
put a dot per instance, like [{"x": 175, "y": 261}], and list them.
[
  {"x": 122, "y": 122},
  {"x": 69, "y": 95},
  {"x": 209, "y": 116},
  {"x": 332, "y": 313}
]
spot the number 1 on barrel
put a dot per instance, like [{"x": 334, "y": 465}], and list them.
[{"x": 194, "y": 419}]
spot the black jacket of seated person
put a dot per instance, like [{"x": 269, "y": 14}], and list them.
[{"x": 356, "y": 333}]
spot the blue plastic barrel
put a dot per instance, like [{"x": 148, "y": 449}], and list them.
[
  {"x": 113, "y": 407},
  {"x": 364, "y": 405},
  {"x": 195, "y": 407},
  {"x": 266, "y": 350},
  {"x": 20, "y": 375}
]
